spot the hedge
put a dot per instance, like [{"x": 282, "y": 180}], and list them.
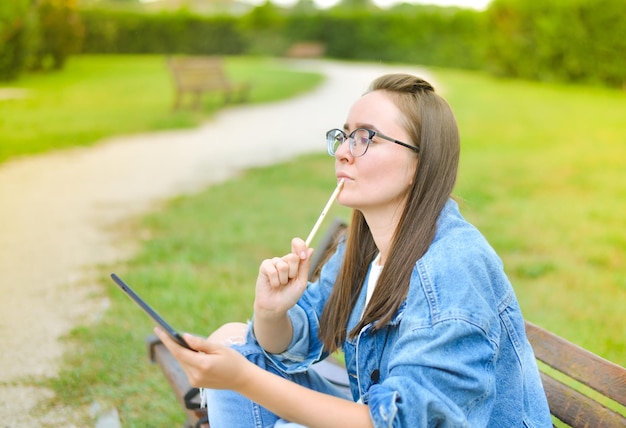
[
  {"x": 110, "y": 31},
  {"x": 16, "y": 30},
  {"x": 559, "y": 40},
  {"x": 426, "y": 38},
  {"x": 37, "y": 35},
  {"x": 430, "y": 38}
]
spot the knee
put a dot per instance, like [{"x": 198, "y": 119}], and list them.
[{"x": 233, "y": 333}]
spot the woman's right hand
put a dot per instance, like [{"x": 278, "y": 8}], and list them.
[
  {"x": 281, "y": 281},
  {"x": 213, "y": 365}
]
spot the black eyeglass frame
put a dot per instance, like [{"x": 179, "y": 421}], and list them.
[{"x": 331, "y": 139}]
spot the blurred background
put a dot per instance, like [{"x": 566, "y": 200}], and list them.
[{"x": 558, "y": 40}]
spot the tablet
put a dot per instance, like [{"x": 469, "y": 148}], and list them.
[{"x": 151, "y": 312}]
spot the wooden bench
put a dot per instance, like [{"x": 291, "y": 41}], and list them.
[
  {"x": 199, "y": 75},
  {"x": 571, "y": 362},
  {"x": 562, "y": 364},
  {"x": 306, "y": 50}
]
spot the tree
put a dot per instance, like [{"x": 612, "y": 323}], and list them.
[
  {"x": 355, "y": 4},
  {"x": 16, "y": 36},
  {"x": 60, "y": 32}
]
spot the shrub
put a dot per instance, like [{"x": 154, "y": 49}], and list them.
[
  {"x": 60, "y": 32},
  {"x": 561, "y": 40},
  {"x": 16, "y": 36},
  {"x": 109, "y": 31},
  {"x": 573, "y": 40}
]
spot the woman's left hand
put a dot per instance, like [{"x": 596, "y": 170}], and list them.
[{"x": 213, "y": 366}]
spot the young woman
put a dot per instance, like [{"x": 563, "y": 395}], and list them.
[{"x": 414, "y": 296}]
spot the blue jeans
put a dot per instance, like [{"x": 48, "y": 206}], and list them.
[{"x": 230, "y": 409}]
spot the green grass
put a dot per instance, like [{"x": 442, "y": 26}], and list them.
[
  {"x": 541, "y": 175},
  {"x": 198, "y": 268},
  {"x": 100, "y": 96}
]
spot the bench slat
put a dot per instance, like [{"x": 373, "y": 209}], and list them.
[
  {"x": 597, "y": 373},
  {"x": 175, "y": 375},
  {"x": 576, "y": 409}
]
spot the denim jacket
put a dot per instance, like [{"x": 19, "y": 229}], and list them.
[{"x": 454, "y": 355}]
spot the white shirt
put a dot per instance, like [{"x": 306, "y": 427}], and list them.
[{"x": 375, "y": 271}]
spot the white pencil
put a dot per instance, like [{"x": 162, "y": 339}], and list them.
[{"x": 324, "y": 211}]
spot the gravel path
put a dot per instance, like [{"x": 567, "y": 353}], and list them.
[{"x": 59, "y": 211}]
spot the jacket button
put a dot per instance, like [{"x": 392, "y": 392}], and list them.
[{"x": 375, "y": 376}]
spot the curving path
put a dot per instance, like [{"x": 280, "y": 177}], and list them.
[{"x": 58, "y": 214}]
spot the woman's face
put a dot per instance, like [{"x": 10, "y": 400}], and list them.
[{"x": 377, "y": 182}]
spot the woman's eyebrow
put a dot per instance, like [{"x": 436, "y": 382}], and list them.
[{"x": 360, "y": 125}]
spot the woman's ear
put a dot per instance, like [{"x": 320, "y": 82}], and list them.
[{"x": 412, "y": 180}]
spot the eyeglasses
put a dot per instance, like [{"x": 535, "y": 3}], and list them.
[{"x": 359, "y": 141}]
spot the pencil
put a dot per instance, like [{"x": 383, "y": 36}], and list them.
[{"x": 323, "y": 213}]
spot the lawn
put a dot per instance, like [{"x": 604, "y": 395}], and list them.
[
  {"x": 542, "y": 175},
  {"x": 99, "y": 96}
]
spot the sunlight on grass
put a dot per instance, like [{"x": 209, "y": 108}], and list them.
[
  {"x": 97, "y": 96},
  {"x": 542, "y": 175},
  {"x": 198, "y": 269}
]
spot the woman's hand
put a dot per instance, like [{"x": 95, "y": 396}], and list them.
[
  {"x": 214, "y": 366},
  {"x": 281, "y": 281},
  {"x": 217, "y": 366}
]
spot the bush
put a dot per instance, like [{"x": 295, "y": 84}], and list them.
[
  {"x": 16, "y": 36},
  {"x": 426, "y": 36},
  {"x": 419, "y": 35},
  {"x": 109, "y": 31},
  {"x": 60, "y": 32},
  {"x": 561, "y": 40},
  {"x": 263, "y": 28},
  {"x": 573, "y": 40}
]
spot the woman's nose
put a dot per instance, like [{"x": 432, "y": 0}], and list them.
[{"x": 343, "y": 151}]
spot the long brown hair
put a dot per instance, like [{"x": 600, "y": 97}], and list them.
[{"x": 431, "y": 125}]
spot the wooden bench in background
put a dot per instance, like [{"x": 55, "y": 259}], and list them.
[
  {"x": 306, "y": 50},
  {"x": 566, "y": 364},
  {"x": 195, "y": 76}
]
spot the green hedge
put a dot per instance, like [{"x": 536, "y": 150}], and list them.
[
  {"x": 37, "y": 35},
  {"x": 60, "y": 33},
  {"x": 16, "y": 35},
  {"x": 561, "y": 40},
  {"x": 133, "y": 32},
  {"x": 426, "y": 36},
  {"x": 439, "y": 38}
]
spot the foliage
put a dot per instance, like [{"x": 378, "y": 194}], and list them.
[
  {"x": 37, "y": 34},
  {"x": 430, "y": 36},
  {"x": 560, "y": 40},
  {"x": 355, "y": 5},
  {"x": 16, "y": 36},
  {"x": 423, "y": 37},
  {"x": 61, "y": 32},
  {"x": 263, "y": 29},
  {"x": 113, "y": 31},
  {"x": 573, "y": 40}
]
